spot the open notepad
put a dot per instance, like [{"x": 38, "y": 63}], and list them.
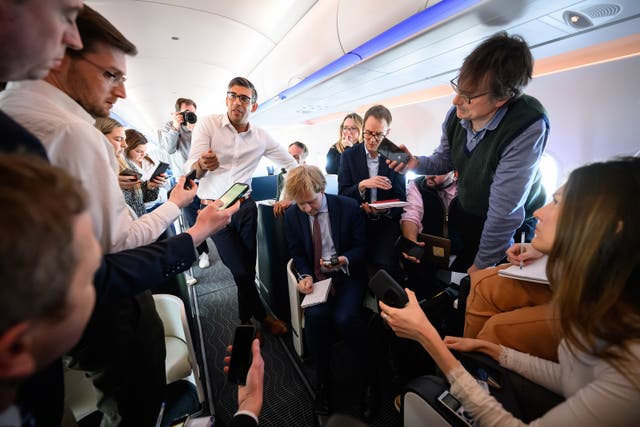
[
  {"x": 534, "y": 272},
  {"x": 319, "y": 294},
  {"x": 386, "y": 204}
]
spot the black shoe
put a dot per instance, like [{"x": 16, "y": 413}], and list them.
[{"x": 321, "y": 402}]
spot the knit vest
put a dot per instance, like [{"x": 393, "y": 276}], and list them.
[{"x": 477, "y": 168}]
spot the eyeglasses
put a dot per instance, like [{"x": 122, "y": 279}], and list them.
[
  {"x": 375, "y": 135},
  {"x": 350, "y": 129},
  {"x": 244, "y": 99},
  {"x": 113, "y": 78},
  {"x": 456, "y": 89}
]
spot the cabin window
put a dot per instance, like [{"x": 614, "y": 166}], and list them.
[{"x": 549, "y": 170}]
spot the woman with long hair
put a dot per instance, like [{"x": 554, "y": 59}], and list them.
[
  {"x": 593, "y": 233},
  {"x": 349, "y": 134},
  {"x": 135, "y": 158}
]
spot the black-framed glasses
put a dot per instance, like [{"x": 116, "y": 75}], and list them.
[
  {"x": 113, "y": 78},
  {"x": 456, "y": 89},
  {"x": 244, "y": 99},
  {"x": 375, "y": 135}
]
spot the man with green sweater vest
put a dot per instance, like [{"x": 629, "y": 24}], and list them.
[{"x": 494, "y": 137}]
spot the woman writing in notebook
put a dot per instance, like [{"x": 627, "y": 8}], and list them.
[{"x": 594, "y": 270}]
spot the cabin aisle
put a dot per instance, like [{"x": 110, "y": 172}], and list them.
[{"x": 286, "y": 399}]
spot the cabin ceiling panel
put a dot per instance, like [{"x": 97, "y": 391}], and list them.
[{"x": 433, "y": 57}]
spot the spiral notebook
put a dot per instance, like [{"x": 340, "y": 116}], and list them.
[
  {"x": 319, "y": 294},
  {"x": 534, "y": 272}
]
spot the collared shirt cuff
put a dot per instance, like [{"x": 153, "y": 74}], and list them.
[
  {"x": 345, "y": 268},
  {"x": 249, "y": 413}
]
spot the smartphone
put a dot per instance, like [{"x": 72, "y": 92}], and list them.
[
  {"x": 452, "y": 403},
  {"x": 187, "y": 181},
  {"x": 241, "y": 354},
  {"x": 131, "y": 172},
  {"x": 388, "y": 290},
  {"x": 161, "y": 168},
  {"x": 392, "y": 152},
  {"x": 233, "y": 194},
  {"x": 410, "y": 248}
]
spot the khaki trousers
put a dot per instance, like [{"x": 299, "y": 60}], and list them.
[{"x": 514, "y": 313}]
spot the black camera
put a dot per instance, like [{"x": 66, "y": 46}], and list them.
[
  {"x": 188, "y": 117},
  {"x": 331, "y": 262}
]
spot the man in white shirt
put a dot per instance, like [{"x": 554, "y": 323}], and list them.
[
  {"x": 61, "y": 110},
  {"x": 225, "y": 149}
]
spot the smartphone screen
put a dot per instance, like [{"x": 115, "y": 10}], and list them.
[
  {"x": 232, "y": 195},
  {"x": 241, "y": 354},
  {"x": 392, "y": 152},
  {"x": 187, "y": 181}
]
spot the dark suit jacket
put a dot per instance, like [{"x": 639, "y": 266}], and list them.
[
  {"x": 347, "y": 231},
  {"x": 15, "y": 138},
  {"x": 353, "y": 169},
  {"x": 129, "y": 272}
]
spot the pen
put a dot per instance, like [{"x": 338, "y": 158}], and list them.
[
  {"x": 482, "y": 379},
  {"x": 521, "y": 248},
  {"x": 159, "y": 421}
]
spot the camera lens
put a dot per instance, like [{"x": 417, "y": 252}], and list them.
[{"x": 189, "y": 117}]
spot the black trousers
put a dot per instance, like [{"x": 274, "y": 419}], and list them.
[
  {"x": 382, "y": 233},
  {"x": 470, "y": 227},
  {"x": 236, "y": 244}
]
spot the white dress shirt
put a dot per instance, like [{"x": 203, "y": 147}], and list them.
[
  {"x": 75, "y": 145},
  {"x": 238, "y": 154}
]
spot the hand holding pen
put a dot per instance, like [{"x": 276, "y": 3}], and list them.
[
  {"x": 523, "y": 254},
  {"x": 521, "y": 248}
]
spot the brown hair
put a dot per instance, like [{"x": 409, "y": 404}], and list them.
[
  {"x": 95, "y": 28},
  {"x": 380, "y": 112},
  {"x": 302, "y": 146},
  {"x": 358, "y": 122},
  {"x": 39, "y": 207},
  {"x": 304, "y": 180},
  {"x": 135, "y": 139},
  {"x": 187, "y": 101},
  {"x": 241, "y": 81},
  {"x": 594, "y": 263},
  {"x": 106, "y": 125},
  {"x": 504, "y": 61}
]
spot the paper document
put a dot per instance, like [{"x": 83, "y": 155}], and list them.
[
  {"x": 386, "y": 204},
  {"x": 534, "y": 272},
  {"x": 319, "y": 294}
]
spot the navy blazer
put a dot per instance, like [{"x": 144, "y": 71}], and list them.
[
  {"x": 353, "y": 169},
  {"x": 347, "y": 231}
]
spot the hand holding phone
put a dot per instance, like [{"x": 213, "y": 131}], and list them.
[
  {"x": 410, "y": 248},
  {"x": 130, "y": 172},
  {"x": 388, "y": 290},
  {"x": 392, "y": 152},
  {"x": 187, "y": 180},
  {"x": 233, "y": 194},
  {"x": 241, "y": 354},
  {"x": 160, "y": 169}
]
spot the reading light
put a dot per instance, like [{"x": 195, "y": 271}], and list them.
[{"x": 576, "y": 20}]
